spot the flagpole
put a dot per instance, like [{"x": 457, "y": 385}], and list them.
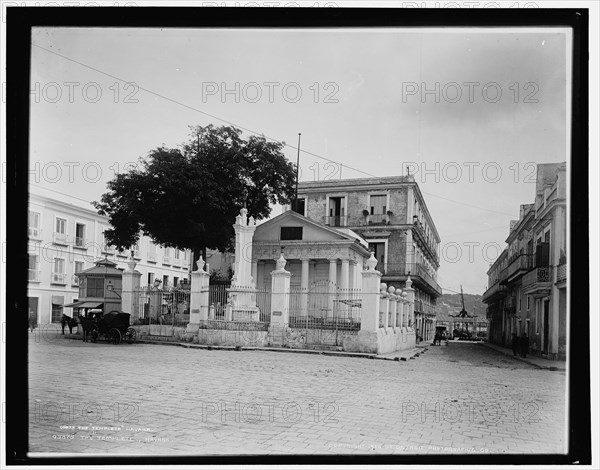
[{"x": 297, "y": 170}]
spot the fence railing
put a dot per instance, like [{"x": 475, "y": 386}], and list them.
[
  {"x": 163, "y": 307},
  {"x": 324, "y": 306}
]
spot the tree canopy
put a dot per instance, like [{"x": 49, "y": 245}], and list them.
[{"x": 188, "y": 197}]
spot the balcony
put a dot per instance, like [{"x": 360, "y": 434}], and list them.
[
  {"x": 152, "y": 256},
  {"x": 495, "y": 291},
  {"x": 336, "y": 221},
  {"x": 59, "y": 278},
  {"x": 538, "y": 282},
  {"x": 166, "y": 259},
  {"x": 418, "y": 274},
  {"x": 59, "y": 238},
  {"x": 561, "y": 273},
  {"x": 519, "y": 265},
  {"x": 74, "y": 280},
  {"x": 378, "y": 219},
  {"x": 35, "y": 233},
  {"x": 80, "y": 243},
  {"x": 34, "y": 275},
  {"x": 421, "y": 238}
]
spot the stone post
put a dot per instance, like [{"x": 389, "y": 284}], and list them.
[
  {"x": 198, "y": 297},
  {"x": 280, "y": 302},
  {"x": 371, "y": 293},
  {"x": 130, "y": 289}
]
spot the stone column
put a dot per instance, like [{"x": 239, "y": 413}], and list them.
[
  {"x": 345, "y": 275},
  {"x": 198, "y": 297},
  {"x": 352, "y": 275},
  {"x": 332, "y": 288},
  {"x": 130, "y": 289},
  {"x": 304, "y": 286}
]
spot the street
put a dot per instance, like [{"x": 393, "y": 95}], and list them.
[{"x": 150, "y": 400}]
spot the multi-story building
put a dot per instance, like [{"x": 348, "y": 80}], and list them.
[
  {"x": 391, "y": 215},
  {"x": 527, "y": 284},
  {"x": 65, "y": 239}
]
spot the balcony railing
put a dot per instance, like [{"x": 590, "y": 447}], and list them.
[
  {"x": 419, "y": 231},
  {"x": 59, "y": 278},
  {"x": 336, "y": 221},
  {"x": 166, "y": 259},
  {"x": 35, "y": 233},
  {"x": 378, "y": 219},
  {"x": 34, "y": 275},
  {"x": 519, "y": 266},
  {"x": 540, "y": 276},
  {"x": 59, "y": 238},
  {"x": 561, "y": 273},
  {"x": 494, "y": 289}
]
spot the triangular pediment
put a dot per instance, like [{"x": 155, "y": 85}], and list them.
[{"x": 311, "y": 231}]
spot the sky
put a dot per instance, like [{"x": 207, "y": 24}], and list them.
[{"x": 468, "y": 111}]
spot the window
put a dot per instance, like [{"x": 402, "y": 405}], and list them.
[
  {"x": 34, "y": 224},
  {"x": 78, "y": 266},
  {"x": 300, "y": 206},
  {"x": 378, "y": 205},
  {"x": 95, "y": 287},
  {"x": 528, "y": 302},
  {"x": 176, "y": 254},
  {"x": 57, "y": 311},
  {"x": 175, "y": 281},
  {"x": 291, "y": 233},
  {"x": 520, "y": 298},
  {"x": 79, "y": 235},
  {"x": 379, "y": 252},
  {"x": 61, "y": 226},
  {"x": 151, "y": 251},
  {"x": 165, "y": 281},
  {"x": 150, "y": 278},
  {"x": 58, "y": 274},
  {"x": 34, "y": 274}
]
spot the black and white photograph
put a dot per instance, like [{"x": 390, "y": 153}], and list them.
[{"x": 331, "y": 234}]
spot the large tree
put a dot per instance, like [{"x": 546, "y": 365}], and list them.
[{"x": 188, "y": 197}]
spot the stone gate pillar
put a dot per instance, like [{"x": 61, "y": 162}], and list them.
[
  {"x": 130, "y": 290},
  {"x": 371, "y": 293},
  {"x": 280, "y": 302},
  {"x": 198, "y": 297}
]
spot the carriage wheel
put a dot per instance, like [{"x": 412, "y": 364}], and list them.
[
  {"x": 130, "y": 335},
  {"x": 114, "y": 336}
]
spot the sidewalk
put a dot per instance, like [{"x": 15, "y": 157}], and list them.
[{"x": 533, "y": 360}]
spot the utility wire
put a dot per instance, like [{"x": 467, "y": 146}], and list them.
[{"x": 245, "y": 128}]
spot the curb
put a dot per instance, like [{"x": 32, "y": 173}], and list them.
[
  {"x": 402, "y": 355},
  {"x": 522, "y": 359}
]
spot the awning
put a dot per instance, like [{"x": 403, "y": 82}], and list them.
[{"x": 84, "y": 305}]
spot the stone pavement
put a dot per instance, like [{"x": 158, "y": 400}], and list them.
[
  {"x": 147, "y": 399},
  {"x": 533, "y": 360}
]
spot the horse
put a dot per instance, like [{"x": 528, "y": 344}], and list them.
[
  {"x": 88, "y": 325},
  {"x": 66, "y": 320}
]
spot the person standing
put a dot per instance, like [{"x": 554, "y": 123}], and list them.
[
  {"x": 524, "y": 345},
  {"x": 515, "y": 344}
]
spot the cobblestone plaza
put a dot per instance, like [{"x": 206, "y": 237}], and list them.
[{"x": 144, "y": 399}]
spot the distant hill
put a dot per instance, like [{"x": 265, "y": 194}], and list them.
[{"x": 451, "y": 304}]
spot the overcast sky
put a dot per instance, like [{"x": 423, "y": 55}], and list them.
[{"x": 497, "y": 104}]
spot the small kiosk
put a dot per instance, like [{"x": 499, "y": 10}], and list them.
[{"x": 99, "y": 288}]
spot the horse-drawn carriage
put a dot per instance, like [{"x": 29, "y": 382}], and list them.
[{"x": 113, "y": 326}]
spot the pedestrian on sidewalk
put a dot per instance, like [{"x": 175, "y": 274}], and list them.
[
  {"x": 515, "y": 344},
  {"x": 524, "y": 345}
]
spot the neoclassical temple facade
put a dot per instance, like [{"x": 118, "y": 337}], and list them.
[{"x": 315, "y": 252}]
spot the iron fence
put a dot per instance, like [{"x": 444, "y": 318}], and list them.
[
  {"x": 162, "y": 307},
  {"x": 217, "y": 298},
  {"x": 325, "y": 306}
]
